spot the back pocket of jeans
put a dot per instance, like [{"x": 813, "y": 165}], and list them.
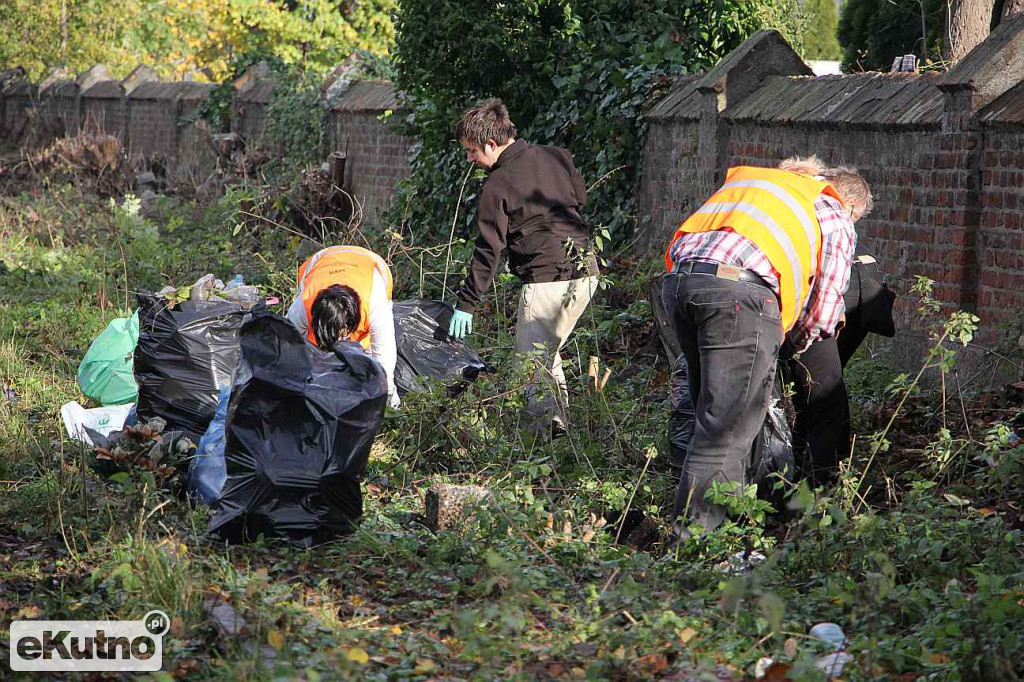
[{"x": 716, "y": 322}]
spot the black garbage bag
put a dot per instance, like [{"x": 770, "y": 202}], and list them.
[
  {"x": 425, "y": 351},
  {"x": 772, "y": 450},
  {"x": 184, "y": 356},
  {"x": 680, "y": 421},
  {"x": 299, "y": 427}
]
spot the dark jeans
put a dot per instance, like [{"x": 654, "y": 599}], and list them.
[
  {"x": 822, "y": 410},
  {"x": 730, "y": 333}
]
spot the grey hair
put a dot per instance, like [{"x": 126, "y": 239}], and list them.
[
  {"x": 852, "y": 188},
  {"x": 808, "y": 165}
]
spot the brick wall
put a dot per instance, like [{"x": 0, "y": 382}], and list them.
[
  {"x": 150, "y": 117},
  {"x": 106, "y": 115},
  {"x": 152, "y": 128},
  {"x": 377, "y": 158},
  {"x": 1001, "y": 233},
  {"x": 19, "y": 104}
]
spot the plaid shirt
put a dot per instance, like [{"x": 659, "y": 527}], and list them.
[{"x": 824, "y": 307}]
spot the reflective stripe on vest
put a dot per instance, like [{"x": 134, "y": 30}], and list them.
[
  {"x": 775, "y": 210},
  {"x": 352, "y": 266}
]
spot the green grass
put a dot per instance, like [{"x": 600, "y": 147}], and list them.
[{"x": 923, "y": 571}]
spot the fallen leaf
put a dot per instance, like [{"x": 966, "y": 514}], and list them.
[
  {"x": 396, "y": 630},
  {"x": 777, "y": 672},
  {"x": 275, "y": 639},
  {"x": 424, "y": 666},
  {"x": 29, "y": 612},
  {"x": 687, "y": 634},
  {"x": 651, "y": 664},
  {"x": 357, "y": 655}
]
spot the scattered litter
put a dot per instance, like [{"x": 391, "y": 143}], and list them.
[
  {"x": 86, "y": 426},
  {"x": 833, "y": 664},
  {"x": 740, "y": 562},
  {"x": 146, "y": 446},
  {"x": 829, "y": 632},
  {"x": 771, "y": 670}
]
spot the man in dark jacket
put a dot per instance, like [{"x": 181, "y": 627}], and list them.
[{"x": 530, "y": 204}]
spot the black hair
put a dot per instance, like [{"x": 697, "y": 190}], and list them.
[{"x": 335, "y": 314}]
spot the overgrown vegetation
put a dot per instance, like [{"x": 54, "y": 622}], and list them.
[
  {"x": 576, "y": 75},
  {"x": 916, "y": 552},
  {"x": 178, "y": 37}
]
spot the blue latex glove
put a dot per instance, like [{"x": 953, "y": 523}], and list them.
[{"x": 461, "y": 324}]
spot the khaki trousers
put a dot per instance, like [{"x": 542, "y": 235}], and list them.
[{"x": 548, "y": 312}]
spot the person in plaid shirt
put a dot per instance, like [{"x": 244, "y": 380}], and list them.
[{"x": 758, "y": 269}]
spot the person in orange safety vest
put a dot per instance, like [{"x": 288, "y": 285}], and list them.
[
  {"x": 344, "y": 292},
  {"x": 765, "y": 259}
]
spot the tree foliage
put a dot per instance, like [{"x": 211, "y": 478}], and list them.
[
  {"x": 873, "y": 32},
  {"x": 178, "y": 37},
  {"x": 820, "y": 41},
  {"x": 574, "y": 74}
]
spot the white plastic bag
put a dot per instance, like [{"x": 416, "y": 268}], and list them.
[{"x": 78, "y": 421}]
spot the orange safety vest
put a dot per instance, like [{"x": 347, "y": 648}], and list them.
[
  {"x": 352, "y": 266},
  {"x": 775, "y": 210}
]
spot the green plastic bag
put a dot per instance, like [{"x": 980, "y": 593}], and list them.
[{"x": 106, "y": 373}]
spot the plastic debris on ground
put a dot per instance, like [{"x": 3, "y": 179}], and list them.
[
  {"x": 426, "y": 352},
  {"x": 740, "y": 562},
  {"x": 186, "y": 353},
  {"x": 208, "y": 470},
  {"x": 300, "y": 425},
  {"x": 92, "y": 425},
  {"x": 830, "y": 633},
  {"x": 833, "y": 664},
  {"x": 105, "y": 373},
  {"x": 148, "y": 446},
  {"x": 833, "y": 635}
]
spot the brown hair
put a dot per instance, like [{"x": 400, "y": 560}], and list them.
[
  {"x": 488, "y": 120},
  {"x": 852, "y": 188}
]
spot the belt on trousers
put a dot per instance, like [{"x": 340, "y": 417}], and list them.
[{"x": 730, "y": 272}]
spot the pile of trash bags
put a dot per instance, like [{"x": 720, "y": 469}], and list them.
[
  {"x": 772, "y": 451},
  {"x": 283, "y": 428},
  {"x": 300, "y": 425}
]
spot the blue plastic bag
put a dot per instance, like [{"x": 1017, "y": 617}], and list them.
[{"x": 208, "y": 470}]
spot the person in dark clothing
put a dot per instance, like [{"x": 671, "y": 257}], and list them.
[
  {"x": 530, "y": 205},
  {"x": 822, "y": 405}
]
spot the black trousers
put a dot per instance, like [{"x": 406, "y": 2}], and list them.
[
  {"x": 822, "y": 430},
  {"x": 730, "y": 332}
]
